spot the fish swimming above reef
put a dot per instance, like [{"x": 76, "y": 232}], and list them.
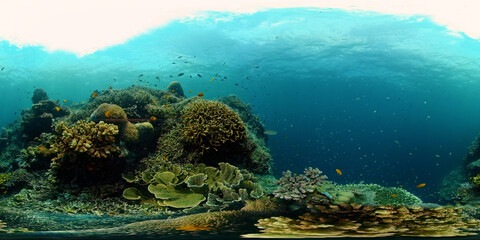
[
  {"x": 198, "y": 74},
  {"x": 181, "y": 74},
  {"x": 270, "y": 132},
  {"x": 338, "y": 171}
]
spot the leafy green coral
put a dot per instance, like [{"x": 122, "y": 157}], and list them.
[
  {"x": 188, "y": 186},
  {"x": 211, "y": 125}
]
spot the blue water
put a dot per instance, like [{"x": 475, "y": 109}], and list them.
[{"x": 386, "y": 99}]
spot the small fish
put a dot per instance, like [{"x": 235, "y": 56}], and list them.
[
  {"x": 200, "y": 94},
  {"x": 198, "y": 74},
  {"x": 2, "y": 68},
  {"x": 58, "y": 109},
  {"x": 212, "y": 79},
  {"x": 94, "y": 95},
  {"x": 436, "y": 155},
  {"x": 166, "y": 96},
  {"x": 64, "y": 100},
  {"x": 164, "y": 158},
  {"x": 108, "y": 114},
  {"x": 256, "y": 117},
  {"x": 255, "y": 66},
  {"x": 40, "y": 148},
  {"x": 400, "y": 186},
  {"x": 153, "y": 118},
  {"x": 166, "y": 105},
  {"x": 338, "y": 171},
  {"x": 181, "y": 74},
  {"x": 154, "y": 101},
  {"x": 157, "y": 77},
  {"x": 141, "y": 75},
  {"x": 421, "y": 185},
  {"x": 180, "y": 56},
  {"x": 173, "y": 90},
  {"x": 190, "y": 91},
  {"x": 394, "y": 195}
]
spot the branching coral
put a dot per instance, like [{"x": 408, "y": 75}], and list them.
[
  {"x": 297, "y": 187},
  {"x": 211, "y": 125},
  {"x": 82, "y": 146}
]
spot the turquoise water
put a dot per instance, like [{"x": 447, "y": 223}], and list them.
[{"x": 386, "y": 99}]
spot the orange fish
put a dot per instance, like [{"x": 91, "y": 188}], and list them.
[
  {"x": 338, "y": 171},
  {"x": 166, "y": 96},
  {"x": 40, "y": 148},
  {"x": 94, "y": 94},
  {"x": 190, "y": 91},
  {"x": 421, "y": 185},
  {"x": 153, "y": 118},
  {"x": 57, "y": 108},
  {"x": 200, "y": 94},
  {"x": 164, "y": 158},
  {"x": 394, "y": 195},
  {"x": 212, "y": 79},
  {"x": 64, "y": 100},
  {"x": 108, "y": 114}
]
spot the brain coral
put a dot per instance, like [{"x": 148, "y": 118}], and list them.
[{"x": 211, "y": 125}]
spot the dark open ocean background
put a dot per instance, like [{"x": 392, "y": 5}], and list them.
[{"x": 386, "y": 99}]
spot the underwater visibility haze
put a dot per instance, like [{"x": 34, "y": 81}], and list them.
[{"x": 224, "y": 121}]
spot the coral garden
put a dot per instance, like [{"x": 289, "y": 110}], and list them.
[{"x": 131, "y": 155}]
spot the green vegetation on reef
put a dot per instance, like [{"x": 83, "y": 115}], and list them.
[{"x": 145, "y": 154}]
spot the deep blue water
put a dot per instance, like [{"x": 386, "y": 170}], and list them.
[{"x": 387, "y": 99}]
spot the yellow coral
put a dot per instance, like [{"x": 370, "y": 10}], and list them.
[
  {"x": 95, "y": 139},
  {"x": 476, "y": 180},
  {"x": 209, "y": 125}
]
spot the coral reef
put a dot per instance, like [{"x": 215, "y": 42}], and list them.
[
  {"x": 211, "y": 126},
  {"x": 39, "y": 118},
  {"x": 187, "y": 186},
  {"x": 374, "y": 194},
  {"x": 176, "y": 89},
  {"x": 297, "y": 187},
  {"x": 351, "y": 220},
  {"x": 39, "y": 95},
  {"x": 85, "y": 151}
]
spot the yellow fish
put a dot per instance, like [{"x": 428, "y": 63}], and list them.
[
  {"x": 166, "y": 96},
  {"x": 212, "y": 79},
  {"x": 338, "y": 171},
  {"x": 64, "y": 100},
  {"x": 94, "y": 94},
  {"x": 155, "y": 101},
  {"x": 108, "y": 114},
  {"x": 153, "y": 118},
  {"x": 173, "y": 90},
  {"x": 421, "y": 185},
  {"x": 58, "y": 109},
  {"x": 394, "y": 195}
]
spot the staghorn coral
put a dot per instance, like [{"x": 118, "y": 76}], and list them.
[
  {"x": 84, "y": 146},
  {"x": 211, "y": 126},
  {"x": 297, "y": 187},
  {"x": 352, "y": 220}
]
